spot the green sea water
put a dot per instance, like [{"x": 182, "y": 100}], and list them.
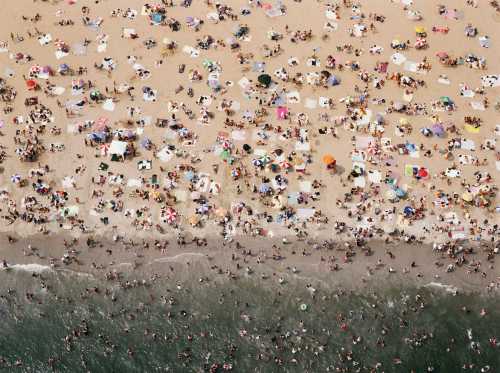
[{"x": 245, "y": 324}]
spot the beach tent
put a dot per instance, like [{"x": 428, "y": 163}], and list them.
[
  {"x": 165, "y": 154},
  {"x": 118, "y": 148},
  {"x": 98, "y": 137},
  {"x": 69, "y": 211}
]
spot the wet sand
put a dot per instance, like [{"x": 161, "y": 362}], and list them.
[{"x": 371, "y": 265}]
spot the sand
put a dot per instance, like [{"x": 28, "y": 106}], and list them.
[{"x": 362, "y": 209}]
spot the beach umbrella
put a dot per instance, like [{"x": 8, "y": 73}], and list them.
[
  {"x": 264, "y": 188},
  {"x": 170, "y": 215},
  {"x": 183, "y": 132},
  {"x": 214, "y": 83},
  {"x": 414, "y": 15},
  {"x": 235, "y": 172},
  {"x": 15, "y": 178},
  {"x": 194, "y": 220},
  {"x": 226, "y": 144},
  {"x": 47, "y": 70},
  {"x": 420, "y": 30},
  {"x": 247, "y": 148},
  {"x": 446, "y": 100},
  {"x": 281, "y": 112},
  {"x": 157, "y": 17},
  {"x": 438, "y": 129},
  {"x": 442, "y": 55},
  {"x": 256, "y": 162},
  {"x": 95, "y": 95},
  {"x": 422, "y": 173},
  {"x": 145, "y": 143},
  {"x": 467, "y": 197},
  {"x": 195, "y": 195},
  {"x": 333, "y": 80},
  {"x": 285, "y": 165},
  {"x": 259, "y": 66},
  {"x": 221, "y": 212},
  {"x": 225, "y": 154},
  {"x": 426, "y": 131},
  {"x": 104, "y": 149},
  {"x": 298, "y": 161},
  {"x": 207, "y": 63},
  {"x": 189, "y": 175},
  {"x": 265, "y": 159},
  {"x": 358, "y": 169},
  {"x": 379, "y": 118},
  {"x": 398, "y": 105},
  {"x": 400, "y": 193},
  {"x": 248, "y": 115},
  {"x": 265, "y": 80},
  {"x": 408, "y": 211},
  {"x": 63, "y": 68},
  {"x": 31, "y": 84},
  {"x": 328, "y": 159},
  {"x": 203, "y": 209},
  {"x": 35, "y": 69},
  {"x": 390, "y": 194}
]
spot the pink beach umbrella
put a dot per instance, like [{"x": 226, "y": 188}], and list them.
[
  {"x": 281, "y": 112},
  {"x": 100, "y": 124},
  {"x": 170, "y": 215}
]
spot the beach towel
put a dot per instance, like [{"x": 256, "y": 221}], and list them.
[
  {"x": 398, "y": 58},
  {"x": 490, "y": 81}
]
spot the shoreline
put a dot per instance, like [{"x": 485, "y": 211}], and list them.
[{"x": 334, "y": 263}]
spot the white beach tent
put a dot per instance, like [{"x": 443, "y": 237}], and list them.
[{"x": 117, "y": 148}]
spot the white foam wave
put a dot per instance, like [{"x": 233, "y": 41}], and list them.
[
  {"x": 448, "y": 288},
  {"x": 31, "y": 267},
  {"x": 176, "y": 257}
]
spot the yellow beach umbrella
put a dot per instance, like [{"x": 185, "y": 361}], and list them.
[{"x": 467, "y": 197}]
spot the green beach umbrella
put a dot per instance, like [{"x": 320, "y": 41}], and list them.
[{"x": 265, "y": 80}]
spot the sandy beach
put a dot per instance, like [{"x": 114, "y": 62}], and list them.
[
  {"x": 345, "y": 137},
  {"x": 342, "y": 145}
]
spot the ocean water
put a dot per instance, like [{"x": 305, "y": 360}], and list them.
[{"x": 247, "y": 325}]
